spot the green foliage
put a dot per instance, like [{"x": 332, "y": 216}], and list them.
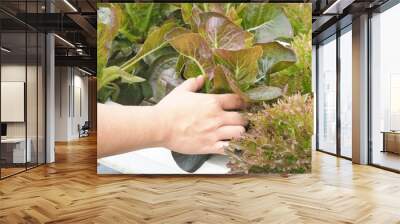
[
  {"x": 128, "y": 34},
  {"x": 205, "y": 36},
  {"x": 259, "y": 51},
  {"x": 233, "y": 59},
  {"x": 278, "y": 140},
  {"x": 298, "y": 77}
]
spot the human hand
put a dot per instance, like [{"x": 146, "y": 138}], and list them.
[{"x": 198, "y": 123}]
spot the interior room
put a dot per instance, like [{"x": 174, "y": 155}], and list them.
[
  {"x": 22, "y": 99},
  {"x": 48, "y": 150}
]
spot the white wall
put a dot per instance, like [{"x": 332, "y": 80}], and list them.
[
  {"x": 71, "y": 94},
  {"x": 62, "y": 81}
]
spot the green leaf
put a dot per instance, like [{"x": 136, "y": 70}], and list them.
[
  {"x": 154, "y": 41},
  {"x": 233, "y": 84},
  {"x": 146, "y": 90},
  {"x": 278, "y": 27},
  {"x": 108, "y": 23},
  {"x": 191, "y": 69},
  {"x": 186, "y": 9},
  {"x": 112, "y": 73},
  {"x": 255, "y": 14},
  {"x": 241, "y": 63},
  {"x": 143, "y": 16},
  {"x": 220, "y": 32},
  {"x": 233, "y": 16},
  {"x": 102, "y": 51},
  {"x": 121, "y": 50},
  {"x": 193, "y": 46},
  {"x": 276, "y": 57},
  {"x": 176, "y": 32},
  {"x": 115, "y": 90},
  {"x": 264, "y": 93},
  {"x": 190, "y": 14},
  {"x": 220, "y": 83},
  {"x": 180, "y": 64},
  {"x": 196, "y": 11},
  {"x": 130, "y": 94},
  {"x": 106, "y": 76},
  {"x": 186, "y": 68},
  {"x": 151, "y": 58},
  {"x": 127, "y": 78},
  {"x": 163, "y": 76},
  {"x": 104, "y": 94}
]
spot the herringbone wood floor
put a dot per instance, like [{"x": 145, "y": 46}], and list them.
[{"x": 70, "y": 191}]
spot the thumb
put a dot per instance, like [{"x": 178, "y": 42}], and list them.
[{"x": 192, "y": 84}]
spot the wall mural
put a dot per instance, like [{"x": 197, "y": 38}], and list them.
[{"x": 152, "y": 54}]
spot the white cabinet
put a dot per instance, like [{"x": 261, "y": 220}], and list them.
[{"x": 18, "y": 149}]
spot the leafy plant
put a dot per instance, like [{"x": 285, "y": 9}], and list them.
[
  {"x": 233, "y": 59},
  {"x": 258, "y": 51},
  {"x": 279, "y": 139},
  {"x": 298, "y": 76},
  {"x": 208, "y": 40},
  {"x": 126, "y": 33}
]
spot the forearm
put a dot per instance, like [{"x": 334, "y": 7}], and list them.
[{"x": 126, "y": 128}]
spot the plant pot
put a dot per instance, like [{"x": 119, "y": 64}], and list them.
[{"x": 189, "y": 163}]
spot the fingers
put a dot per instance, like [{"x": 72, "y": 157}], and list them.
[
  {"x": 230, "y": 132},
  {"x": 233, "y": 118},
  {"x": 225, "y": 133},
  {"x": 192, "y": 84},
  {"x": 219, "y": 147},
  {"x": 230, "y": 101}
]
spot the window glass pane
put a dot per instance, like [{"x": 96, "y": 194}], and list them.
[
  {"x": 327, "y": 96},
  {"x": 346, "y": 93},
  {"x": 14, "y": 153},
  {"x": 385, "y": 84},
  {"x": 41, "y": 98},
  {"x": 22, "y": 87},
  {"x": 31, "y": 97}
]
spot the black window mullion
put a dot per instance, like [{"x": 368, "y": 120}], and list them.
[
  {"x": 369, "y": 90},
  {"x": 26, "y": 87},
  {"x": 316, "y": 97},
  {"x": 338, "y": 74},
  {"x": 37, "y": 90}
]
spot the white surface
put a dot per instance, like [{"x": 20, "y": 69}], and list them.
[
  {"x": 12, "y": 101},
  {"x": 19, "y": 149},
  {"x": 71, "y": 103},
  {"x": 159, "y": 161}
]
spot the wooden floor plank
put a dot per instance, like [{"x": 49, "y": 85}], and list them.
[{"x": 70, "y": 191}]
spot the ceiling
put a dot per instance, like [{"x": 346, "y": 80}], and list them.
[
  {"x": 331, "y": 15},
  {"x": 74, "y": 22}
]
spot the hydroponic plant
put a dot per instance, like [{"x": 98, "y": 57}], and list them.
[{"x": 146, "y": 49}]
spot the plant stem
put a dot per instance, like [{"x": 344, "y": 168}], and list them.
[{"x": 127, "y": 66}]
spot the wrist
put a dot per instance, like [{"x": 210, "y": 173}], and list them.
[{"x": 161, "y": 128}]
